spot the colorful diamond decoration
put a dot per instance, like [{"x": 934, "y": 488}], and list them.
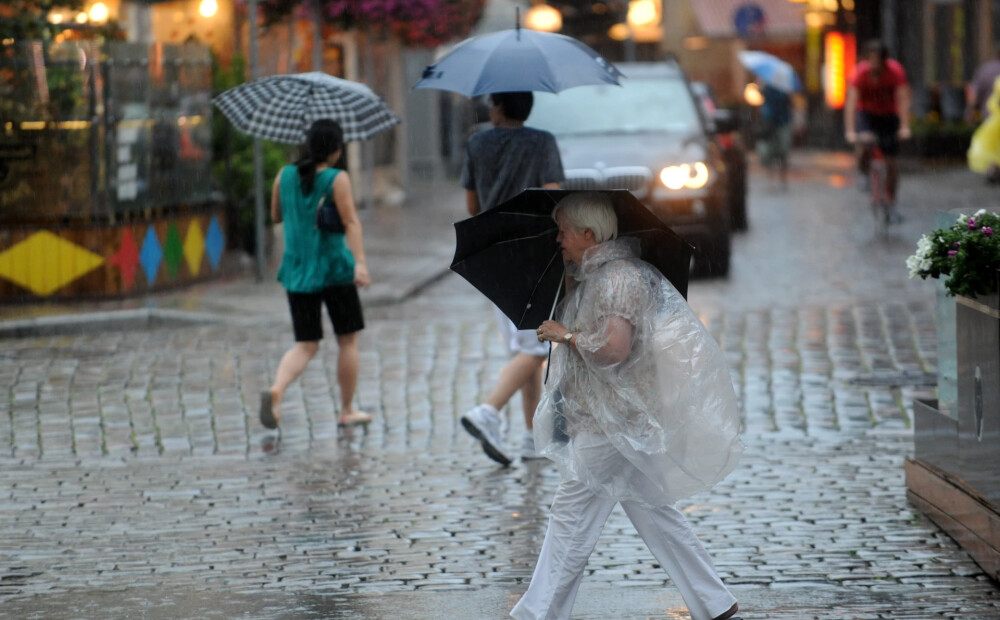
[
  {"x": 45, "y": 262},
  {"x": 126, "y": 258},
  {"x": 173, "y": 250},
  {"x": 215, "y": 242},
  {"x": 194, "y": 247},
  {"x": 151, "y": 255}
]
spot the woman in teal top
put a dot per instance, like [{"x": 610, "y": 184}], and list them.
[{"x": 319, "y": 268}]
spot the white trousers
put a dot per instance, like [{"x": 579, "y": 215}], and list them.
[{"x": 577, "y": 518}]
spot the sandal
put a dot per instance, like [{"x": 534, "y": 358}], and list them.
[
  {"x": 357, "y": 418},
  {"x": 267, "y": 417}
]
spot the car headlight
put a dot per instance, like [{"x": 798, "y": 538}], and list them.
[{"x": 691, "y": 176}]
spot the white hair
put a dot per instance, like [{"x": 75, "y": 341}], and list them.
[{"x": 592, "y": 210}]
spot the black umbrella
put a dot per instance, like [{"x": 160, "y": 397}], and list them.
[{"x": 510, "y": 254}]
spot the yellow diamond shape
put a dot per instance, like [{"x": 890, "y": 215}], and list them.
[
  {"x": 194, "y": 247},
  {"x": 45, "y": 262}
]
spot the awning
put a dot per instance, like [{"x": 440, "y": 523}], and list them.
[{"x": 782, "y": 18}]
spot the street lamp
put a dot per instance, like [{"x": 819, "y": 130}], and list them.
[
  {"x": 643, "y": 13},
  {"x": 208, "y": 8},
  {"x": 641, "y": 24},
  {"x": 99, "y": 13},
  {"x": 543, "y": 17}
]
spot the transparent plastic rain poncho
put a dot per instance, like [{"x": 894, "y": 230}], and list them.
[{"x": 657, "y": 426}]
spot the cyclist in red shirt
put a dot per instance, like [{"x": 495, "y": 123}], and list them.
[{"x": 878, "y": 101}]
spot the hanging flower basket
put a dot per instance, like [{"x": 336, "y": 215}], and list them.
[{"x": 416, "y": 23}]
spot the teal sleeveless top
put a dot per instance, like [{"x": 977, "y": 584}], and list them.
[{"x": 313, "y": 259}]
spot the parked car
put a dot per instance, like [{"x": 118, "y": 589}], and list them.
[
  {"x": 725, "y": 126},
  {"x": 649, "y": 136}
]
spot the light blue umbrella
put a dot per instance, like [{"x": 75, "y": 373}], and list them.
[
  {"x": 518, "y": 60},
  {"x": 772, "y": 70}
]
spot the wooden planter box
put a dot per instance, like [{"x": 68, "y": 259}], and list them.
[{"x": 954, "y": 476}]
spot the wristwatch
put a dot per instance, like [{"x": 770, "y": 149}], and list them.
[{"x": 568, "y": 337}]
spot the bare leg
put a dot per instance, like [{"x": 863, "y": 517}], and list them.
[
  {"x": 292, "y": 364},
  {"x": 531, "y": 393},
  {"x": 347, "y": 379},
  {"x": 521, "y": 370},
  {"x": 730, "y": 613},
  {"x": 864, "y": 157}
]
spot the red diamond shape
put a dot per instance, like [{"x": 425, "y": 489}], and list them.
[{"x": 126, "y": 258}]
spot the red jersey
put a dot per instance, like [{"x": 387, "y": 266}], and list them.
[{"x": 878, "y": 96}]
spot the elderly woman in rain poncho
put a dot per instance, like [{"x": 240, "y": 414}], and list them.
[{"x": 639, "y": 410}]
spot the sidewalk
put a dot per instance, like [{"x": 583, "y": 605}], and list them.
[{"x": 407, "y": 248}]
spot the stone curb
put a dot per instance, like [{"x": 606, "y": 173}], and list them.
[
  {"x": 147, "y": 318},
  {"x": 151, "y": 318}
]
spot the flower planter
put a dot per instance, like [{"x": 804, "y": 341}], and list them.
[
  {"x": 954, "y": 476},
  {"x": 978, "y": 338}
]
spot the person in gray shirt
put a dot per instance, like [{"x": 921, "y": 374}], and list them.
[{"x": 500, "y": 162}]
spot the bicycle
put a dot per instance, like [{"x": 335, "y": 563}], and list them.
[{"x": 878, "y": 172}]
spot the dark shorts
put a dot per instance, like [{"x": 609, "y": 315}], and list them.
[
  {"x": 886, "y": 130},
  {"x": 342, "y": 303}
]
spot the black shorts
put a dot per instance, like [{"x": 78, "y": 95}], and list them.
[
  {"x": 886, "y": 130},
  {"x": 342, "y": 303}
]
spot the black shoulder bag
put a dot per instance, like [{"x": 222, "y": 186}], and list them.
[{"x": 327, "y": 216}]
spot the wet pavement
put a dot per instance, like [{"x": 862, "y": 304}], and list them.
[{"x": 137, "y": 481}]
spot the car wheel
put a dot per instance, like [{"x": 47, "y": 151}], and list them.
[{"x": 738, "y": 197}]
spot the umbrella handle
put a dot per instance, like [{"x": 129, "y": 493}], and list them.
[{"x": 552, "y": 312}]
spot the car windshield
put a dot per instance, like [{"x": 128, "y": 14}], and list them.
[{"x": 639, "y": 105}]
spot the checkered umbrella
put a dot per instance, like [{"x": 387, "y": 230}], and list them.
[{"x": 282, "y": 107}]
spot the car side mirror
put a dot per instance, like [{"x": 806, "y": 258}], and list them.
[{"x": 726, "y": 121}]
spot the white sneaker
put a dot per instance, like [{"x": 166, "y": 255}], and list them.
[
  {"x": 528, "y": 447},
  {"x": 483, "y": 423}
]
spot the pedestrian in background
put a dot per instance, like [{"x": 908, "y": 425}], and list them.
[
  {"x": 500, "y": 162},
  {"x": 776, "y": 134},
  {"x": 319, "y": 268},
  {"x": 639, "y": 409},
  {"x": 980, "y": 88}
]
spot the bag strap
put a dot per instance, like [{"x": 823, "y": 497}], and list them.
[{"x": 325, "y": 180}]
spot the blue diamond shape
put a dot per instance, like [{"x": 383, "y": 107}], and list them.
[
  {"x": 151, "y": 255},
  {"x": 215, "y": 242}
]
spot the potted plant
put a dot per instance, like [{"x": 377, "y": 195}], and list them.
[
  {"x": 966, "y": 254},
  {"x": 954, "y": 477}
]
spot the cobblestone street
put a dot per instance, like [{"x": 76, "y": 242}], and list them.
[{"x": 137, "y": 481}]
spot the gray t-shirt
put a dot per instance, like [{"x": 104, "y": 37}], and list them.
[{"x": 500, "y": 162}]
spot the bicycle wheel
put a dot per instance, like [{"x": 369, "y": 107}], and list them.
[{"x": 880, "y": 196}]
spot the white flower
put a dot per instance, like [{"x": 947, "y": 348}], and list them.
[
  {"x": 963, "y": 218},
  {"x": 921, "y": 259},
  {"x": 924, "y": 245},
  {"x": 979, "y": 212}
]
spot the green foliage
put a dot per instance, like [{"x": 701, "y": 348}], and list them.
[
  {"x": 932, "y": 125},
  {"x": 232, "y": 151},
  {"x": 967, "y": 253},
  {"x": 28, "y": 19}
]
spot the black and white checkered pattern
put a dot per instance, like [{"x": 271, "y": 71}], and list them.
[{"x": 282, "y": 107}]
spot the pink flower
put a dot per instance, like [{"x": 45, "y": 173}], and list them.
[
  {"x": 987, "y": 231},
  {"x": 952, "y": 252},
  {"x": 972, "y": 223},
  {"x": 957, "y": 245}
]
